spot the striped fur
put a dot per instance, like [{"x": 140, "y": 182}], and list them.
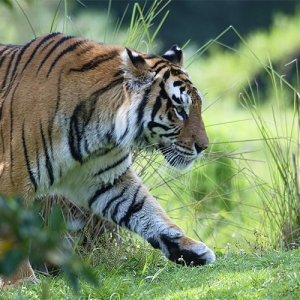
[{"x": 70, "y": 112}]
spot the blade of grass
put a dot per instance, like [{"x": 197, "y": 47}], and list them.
[
  {"x": 25, "y": 15},
  {"x": 54, "y": 19},
  {"x": 107, "y": 19}
]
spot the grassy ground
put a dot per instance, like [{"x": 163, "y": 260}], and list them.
[{"x": 144, "y": 274}]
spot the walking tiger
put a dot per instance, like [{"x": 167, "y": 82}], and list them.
[{"x": 71, "y": 111}]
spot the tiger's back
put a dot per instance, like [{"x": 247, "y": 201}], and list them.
[
  {"x": 42, "y": 84},
  {"x": 70, "y": 112}
]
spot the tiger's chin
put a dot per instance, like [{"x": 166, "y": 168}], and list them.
[
  {"x": 177, "y": 161},
  {"x": 171, "y": 155}
]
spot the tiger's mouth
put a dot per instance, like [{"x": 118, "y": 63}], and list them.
[{"x": 175, "y": 158}]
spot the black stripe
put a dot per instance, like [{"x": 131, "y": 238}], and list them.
[
  {"x": 159, "y": 69},
  {"x": 27, "y": 159},
  {"x": 170, "y": 116},
  {"x": 19, "y": 57},
  {"x": 79, "y": 120},
  {"x": 37, "y": 159},
  {"x": 58, "y": 96},
  {"x": 163, "y": 92},
  {"x": 8, "y": 67},
  {"x": 166, "y": 75},
  {"x": 108, "y": 187},
  {"x": 115, "y": 164},
  {"x": 188, "y": 81},
  {"x": 95, "y": 62},
  {"x": 172, "y": 134},
  {"x": 47, "y": 158},
  {"x": 124, "y": 220},
  {"x": 116, "y": 211},
  {"x": 11, "y": 124},
  {"x": 2, "y": 59},
  {"x": 50, "y": 130},
  {"x": 141, "y": 107},
  {"x": 177, "y": 83},
  {"x": 71, "y": 48},
  {"x": 42, "y": 41},
  {"x": 176, "y": 99},
  {"x": 13, "y": 74},
  {"x": 75, "y": 134},
  {"x": 8, "y": 88},
  {"x": 5, "y": 47},
  {"x": 182, "y": 89},
  {"x": 4, "y": 55},
  {"x": 169, "y": 104},
  {"x": 98, "y": 193},
  {"x": 110, "y": 202},
  {"x": 156, "y": 107},
  {"x": 108, "y": 87},
  {"x": 140, "y": 113},
  {"x": 152, "y": 125},
  {"x": 134, "y": 208},
  {"x": 85, "y": 50},
  {"x": 47, "y": 45},
  {"x": 58, "y": 43},
  {"x": 163, "y": 62}
]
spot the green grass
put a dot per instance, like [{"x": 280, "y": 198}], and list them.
[{"x": 144, "y": 274}]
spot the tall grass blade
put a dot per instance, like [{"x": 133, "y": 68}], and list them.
[
  {"x": 25, "y": 15},
  {"x": 107, "y": 19},
  {"x": 54, "y": 19}
]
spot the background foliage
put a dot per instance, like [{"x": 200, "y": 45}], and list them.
[{"x": 209, "y": 18}]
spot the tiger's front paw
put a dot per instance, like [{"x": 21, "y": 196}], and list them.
[{"x": 188, "y": 251}]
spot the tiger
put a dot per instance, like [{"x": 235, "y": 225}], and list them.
[{"x": 72, "y": 110}]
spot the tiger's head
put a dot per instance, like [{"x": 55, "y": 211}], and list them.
[{"x": 167, "y": 106}]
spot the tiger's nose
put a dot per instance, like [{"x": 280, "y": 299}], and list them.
[{"x": 200, "y": 147}]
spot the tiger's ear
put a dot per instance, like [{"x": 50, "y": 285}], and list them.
[
  {"x": 174, "y": 55},
  {"x": 136, "y": 69}
]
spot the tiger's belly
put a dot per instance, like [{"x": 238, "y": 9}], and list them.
[{"x": 80, "y": 180}]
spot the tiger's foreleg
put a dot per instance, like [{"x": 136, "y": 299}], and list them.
[{"x": 129, "y": 204}]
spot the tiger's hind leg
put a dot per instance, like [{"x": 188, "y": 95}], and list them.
[{"x": 23, "y": 274}]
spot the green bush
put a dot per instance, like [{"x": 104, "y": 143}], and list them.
[{"x": 24, "y": 236}]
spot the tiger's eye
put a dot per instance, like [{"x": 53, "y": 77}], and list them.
[{"x": 179, "y": 109}]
